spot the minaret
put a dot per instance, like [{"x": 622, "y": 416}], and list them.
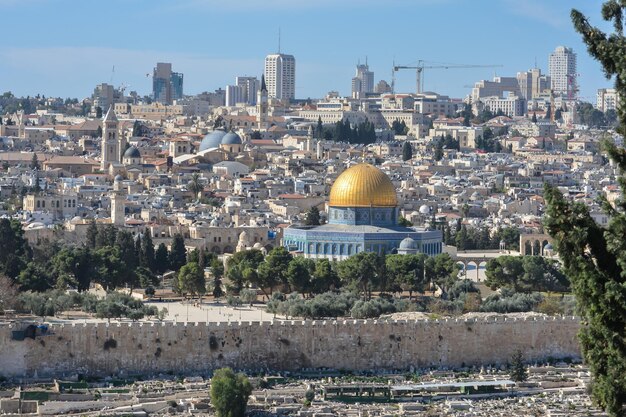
[
  {"x": 110, "y": 140},
  {"x": 117, "y": 209},
  {"x": 21, "y": 131},
  {"x": 262, "y": 104}
]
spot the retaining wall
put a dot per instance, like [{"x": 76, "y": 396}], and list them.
[{"x": 144, "y": 347}]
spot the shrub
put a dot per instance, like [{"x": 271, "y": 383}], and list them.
[
  {"x": 332, "y": 304},
  {"x": 248, "y": 296},
  {"x": 510, "y": 302}
]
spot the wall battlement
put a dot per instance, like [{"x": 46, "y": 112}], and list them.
[{"x": 152, "y": 347}]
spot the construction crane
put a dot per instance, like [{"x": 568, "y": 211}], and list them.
[{"x": 420, "y": 67}]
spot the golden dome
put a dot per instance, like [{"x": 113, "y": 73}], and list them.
[{"x": 363, "y": 185}]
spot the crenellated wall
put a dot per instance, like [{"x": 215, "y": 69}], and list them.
[{"x": 145, "y": 347}]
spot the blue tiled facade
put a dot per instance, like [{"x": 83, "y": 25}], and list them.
[
  {"x": 379, "y": 216},
  {"x": 341, "y": 241}
]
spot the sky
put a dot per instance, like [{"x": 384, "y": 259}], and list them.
[{"x": 66, "y": 47}]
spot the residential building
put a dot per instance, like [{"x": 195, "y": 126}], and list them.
[
  {"x": 250, "y": 86},
  {"x": 607, "y": 99},
  {"x": 234, "y": 95},
  {"x": 532, "y": 83},
  {"x": 104, "y": 95},
  {"x": 280, "y": 76},
  {"x": 562, "y": 69}
]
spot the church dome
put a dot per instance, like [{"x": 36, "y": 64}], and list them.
[
  {"x": 132, "y": 152},
  {"x": 363, "y": 185},
  {"x": 408, "y": 244},
  {"x": 212, "y": 140},
  {"x": 231, "y": 138}
]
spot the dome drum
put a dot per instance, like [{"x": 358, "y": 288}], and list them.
[{"x": 356, "y": 216}]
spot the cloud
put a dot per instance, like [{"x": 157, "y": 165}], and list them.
[{"x": 540, "y": 11}]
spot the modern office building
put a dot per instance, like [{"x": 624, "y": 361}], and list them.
[
  {"x": 176, "y": 84},
  {"x": 280, "y": 76},
  {"x": 167, "y": 86},
  {"x": 363, "y": 82},
  {"x": 562, "y": 70}
]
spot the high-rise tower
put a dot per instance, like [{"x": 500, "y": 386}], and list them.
[
  {"x": 562, "y": 69},
  {"x": 166, "y": 85},
  {"x": 363, "y": 82},
  {"x": 280, "y": 76}
]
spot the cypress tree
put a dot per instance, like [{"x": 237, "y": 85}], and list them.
[
  {"x": 593, "y": 256},
  {"x": 407, "y": 151},
  {"x": 178, "y": 252},
  {"x": 146, "y": 258}
]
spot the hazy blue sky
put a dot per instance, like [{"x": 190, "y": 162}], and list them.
[{"x": 66, "y": 47}]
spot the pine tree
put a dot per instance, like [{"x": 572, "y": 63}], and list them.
[{"x": 594, "y": 257}]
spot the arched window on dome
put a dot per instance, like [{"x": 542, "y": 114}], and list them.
[
  {"x": 326, "y": 249},
  {"x": 318, "y": 248},
  {"x": 350, "y": 249}
]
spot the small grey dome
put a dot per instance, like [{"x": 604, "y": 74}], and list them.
[
  {"x": 408, "y": 244},
  {"x": 231, "y": 138},
  {"x": 548, "y": 247},
  {"x": 424, "y": 209},
  {"x": 132, "y": 152},
  {"x": 212, "y": 140},
  {"x": 118, "y": 178}
]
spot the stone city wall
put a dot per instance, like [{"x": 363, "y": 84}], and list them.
[{"x": 102, "y": 348}]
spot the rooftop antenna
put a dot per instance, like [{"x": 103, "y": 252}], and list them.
[
  {"x": 112, "y": 74},
  {"x": 535, "y": 61},
  {"x": 279, "y": 39},
  {"x": 366, "y": 60}
]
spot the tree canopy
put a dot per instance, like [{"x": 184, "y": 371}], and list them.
[{"x": 229, "y": 393}]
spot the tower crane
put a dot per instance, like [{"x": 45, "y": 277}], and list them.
[{"x": 420, "y": 67}]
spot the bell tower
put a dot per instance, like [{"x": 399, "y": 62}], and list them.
[
  {"x": 262, "y": 104},
  {"x": 110, "y": 140}
]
